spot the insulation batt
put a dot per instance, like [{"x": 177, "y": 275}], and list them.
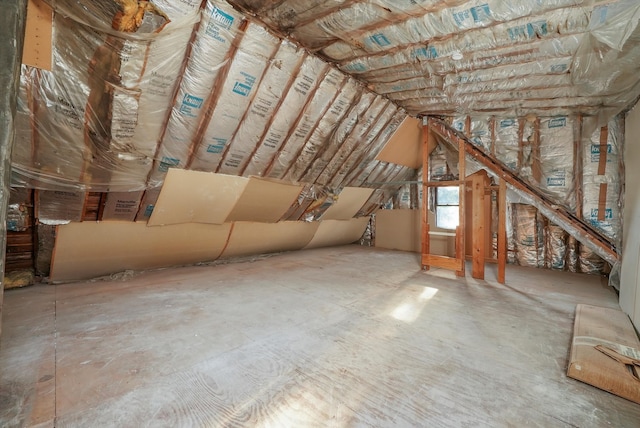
[
  {"x": 593, "y": 183},
  {"x": 330, "y": 120},
  {"x": 299, "y": 93},
  {"x": 556, "y": 159},
  {"x": 506, "y": 144},
  {"x": 242, "y": 79},
  {"x": 528, "y": 235},
  {"x": 308, "y": 119},
  {"x": 337, "y": 138},
  {"x": 356, "y": 137},
  {"x": 480, "y": 130},
  {"x": 219, "y": 27},
  {"x": 370, "y": 146},
  {"x": 281, "y": 70}
]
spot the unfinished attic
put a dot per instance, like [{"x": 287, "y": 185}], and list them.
[{"x": 320, "y": 213}]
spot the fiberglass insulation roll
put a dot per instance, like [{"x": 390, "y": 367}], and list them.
[{"x": 556, "y": 159}]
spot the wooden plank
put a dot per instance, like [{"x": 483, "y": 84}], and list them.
[
  {"x": 578, "y": 165},
  {"x": 478, "y": 227},
  {"x": 444, "y": 183},
  {"x": 460, "y": 238},
  {"x": 502, "y": 231},
  {"x": 596, "y": 326},
  {"x": 602, "y": 201},
  {"x": 602, "y": 160},
  {"x": 406, "y": 145},
  {"x": 38, "y": 35},
  {"x": 443, "y": 262},
  {"x": 536, "y": 166},
  {"x": 426, "y": 138},
  {"x": 608, "y": 249}
]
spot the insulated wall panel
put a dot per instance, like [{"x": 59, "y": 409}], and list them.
[
  {"x": 196, "y": 197},
  {"x": 338, "y": 232},
  {"x": 87, "y": 250},
  {"x": 264, "y": 201},
  {"x": 249, "y": 238},
  {"x": 350, "y": 200}
]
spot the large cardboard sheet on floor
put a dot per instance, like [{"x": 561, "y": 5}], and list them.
[
  {"x": 338, "y": 232},
  {"x": 405, "y": 145},
  {"x": 596, "y": 326},
  {"x": 87, "y": 250},
  {"x": 398, "y": 230},
  {"x": 248, "y": 238},
  {"x": 349, "y": 202},
  {"x": 264, "y": 200},
  {"x": 196, "y": 197}
]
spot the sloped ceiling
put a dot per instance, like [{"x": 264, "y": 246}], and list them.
[
  {"x": 305, "y": 91},
  {"x": 464, "y": 56}
]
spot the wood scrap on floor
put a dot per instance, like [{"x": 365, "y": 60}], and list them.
[{"x": 605, "y": 351}]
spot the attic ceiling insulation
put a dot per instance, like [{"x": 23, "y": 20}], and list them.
[{"x": 311, "y": 91}]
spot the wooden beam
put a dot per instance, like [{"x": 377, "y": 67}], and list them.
[
  {"x": 426, "y": 138},
  {"x": 443, "y": 262},
  {"x": 478, "y": 227},
  {"x": 578, "y": 165},
  {"x": 536, "y": 166},
  {"x": 502, "y": 231},
  {"x": 586, "y": 231},
  {"x": 462, "y": 173}
]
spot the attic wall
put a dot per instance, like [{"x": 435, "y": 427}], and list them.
[{"x": 630, "y": 281}]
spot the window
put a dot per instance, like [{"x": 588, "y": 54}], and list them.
[{"x": 447, "y": 207}]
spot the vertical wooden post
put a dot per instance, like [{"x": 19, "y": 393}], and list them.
[
  {"x": 462, "y": 173},
  {"x": 492, "y": 125},
  {"x": 502, "y": 230},
  {"x": 602, "y": 167},
  {"x": 577, "y": 165},
  {"x": 426, "y": 136},
  {"x": 536, "y": 167},
  {"x": 478, "y": 227}
]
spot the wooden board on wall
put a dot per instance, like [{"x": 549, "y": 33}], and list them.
[
  {"x": 37, "y": 35},
  {"x": 349, "y": 202},
  {"x": 338, "y": 232},
  {"x": 87, "y": 250},
  {"x": 249, "y": 238},
  {"x": 609, "y": 327},
  {"x": 264, "y": 200},
  {"x": 405, "y": 145},
  {"x": 196, "y": 197}
]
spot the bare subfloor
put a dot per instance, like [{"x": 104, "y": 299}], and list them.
[{"x": 347, "y": 336}]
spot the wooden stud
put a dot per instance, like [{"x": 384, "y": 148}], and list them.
[
  {"x": 602, "y": 167},
  {"x": 536, "y": 167},
  {"x": 426, "y": 136},
  {"x": 443, "y": 262},
  {"x": 577, "y": 165},
  {"x": 492, "y": 125},
  {"x": 478, "y": 227},
  {"x": 502, "y": 231},
  {"x": 462, "y": 173},
  {"x": 521, "y": 123}
]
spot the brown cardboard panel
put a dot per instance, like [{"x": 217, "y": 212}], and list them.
[
  {"x": 196, "y": 197},
  {"x": 86, "y": 250},
  {"x": 37, "y": 35},
  {"x": 248, "y": 238},
  {"x": 405, "y": 145},
  {"x": 398, "y": 230},
  {"x": 121, "y": 206},
  {"x": 609, "y": 327},
  {"x": 264, "y": 200},
  {"x": 349, "y": 202},
  {"x": 338, "y": 232},
  {"x": 401, "y": 230}
]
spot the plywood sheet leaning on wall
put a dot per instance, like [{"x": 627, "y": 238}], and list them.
[
  {"x": 405, "y": 146},
  {"x": 198, "y": 197},
  {"x": 248, "y": 238},
  {"x": 264, "y": 200},
  {"x": 87, "y": 250},
  {"x": 349, "y": 202},
  {"x": 338, "y": 232}
]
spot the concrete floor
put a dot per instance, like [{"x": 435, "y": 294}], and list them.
[{"x": 347, "y": 336}]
